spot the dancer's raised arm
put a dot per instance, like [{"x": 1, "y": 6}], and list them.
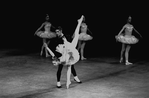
[{"x": 76, "y": 33}]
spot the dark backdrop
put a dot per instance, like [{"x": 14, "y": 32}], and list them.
[{"x": 19, "y": 21}]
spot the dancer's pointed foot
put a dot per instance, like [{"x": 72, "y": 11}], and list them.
[
  {"x": 77, "y": 79},
  {"x": 121, "y": 60},
  {"x": 59, "y": 85},
  {"x": 128, "y": 63},
  {"x": 67, "y": 84}
]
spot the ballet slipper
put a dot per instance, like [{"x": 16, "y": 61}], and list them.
[
  {"x": 59, "y": 85},
  {"x": 77, "y": 79}
]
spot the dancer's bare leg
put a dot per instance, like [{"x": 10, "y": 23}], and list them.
[
  {"x": 68, "y": 76},
  {"x": 76, "y": 33},
  {"x": 82, "y": 50},
  {"x": 74, "y": 43},
  {"x": 122, "y": 51},
  {"x": 47, "y": 55},
  {"x": 42, "y": 50},
  {"x": 127, "y": 54},
  {"x": 43, "y": 46}
]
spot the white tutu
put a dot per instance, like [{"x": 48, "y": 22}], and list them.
[
  {"x": 46, "y": 34},
  {"x": 70, "y": 55},
  {"x": 70, "y": 58},
  {"x": 127, "y": 39},
  {"x": 85, "y": 37}
]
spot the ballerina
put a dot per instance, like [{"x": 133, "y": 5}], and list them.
[
  {"x": 45, "y": 35},
  {"x": 83, "y": 38},
  {"x": 69, "y": 57},
  {"x": 127, "y": 39}
]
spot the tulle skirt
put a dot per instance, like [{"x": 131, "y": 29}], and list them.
[
  {"x": 46, "y": 35},
  {"x": 127, "y": 39},
  {"x": 69, "y": 58},
  {"x": 85, "y": 37}
]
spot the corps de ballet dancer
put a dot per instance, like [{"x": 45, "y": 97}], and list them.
[
  {"x": 127, "y": 39},
  {"x": 69, "y": 57},
  {"x": 46, "y": 35},
  {"x": 83, "y": 38}
]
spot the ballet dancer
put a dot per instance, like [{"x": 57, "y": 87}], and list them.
[
  {"x": 45, "y": 35},
  {"x": 127, "y": 39},
  {"x": 83, "y": 38},
  {"x": 69, "y": 57}
]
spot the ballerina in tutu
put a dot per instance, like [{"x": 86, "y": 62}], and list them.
[
  {"x": 69, "y": 57},
  {"x": 82, "y": 39},
  {"x": 45, "y": 35},
  {"x": 127, "y": 39}
]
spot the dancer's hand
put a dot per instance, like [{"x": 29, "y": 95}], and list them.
[{"x": 116, "y": 37}]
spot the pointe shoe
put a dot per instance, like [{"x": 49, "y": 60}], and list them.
[
  {"x": 67, "y": 84},
  {"x": 128, "y": 63}
]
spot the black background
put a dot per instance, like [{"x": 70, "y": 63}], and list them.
[{"x": 20, "y": 20}]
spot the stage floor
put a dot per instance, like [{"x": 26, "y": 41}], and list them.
[{"x": 33, "y": 76}]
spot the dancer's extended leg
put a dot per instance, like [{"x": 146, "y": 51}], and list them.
[
  {"x": 74, "y": 44},
  {"x": 76, "y": 33}
]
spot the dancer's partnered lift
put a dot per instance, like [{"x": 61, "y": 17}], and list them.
[{"x": 70, "y": 55}]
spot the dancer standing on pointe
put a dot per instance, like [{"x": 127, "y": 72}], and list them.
[
  {"x": 127, "y": 39},
  {"x": 45, "y": 35},
  {"x": 69, "y": 57},
  {"x": 83, "y": 38}
]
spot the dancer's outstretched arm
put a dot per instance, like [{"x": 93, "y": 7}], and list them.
[
  {"x": 76, "y": 33},
  {"x": 137, "y": 32},
  {"x": 49, "y": 50}
]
